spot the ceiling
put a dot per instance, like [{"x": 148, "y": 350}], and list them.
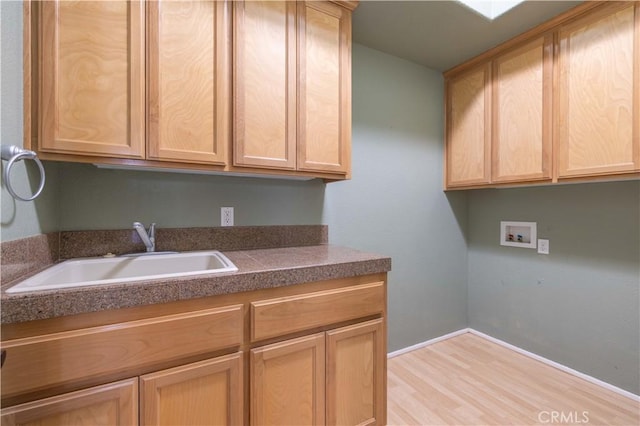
[{"x": 442, "y": 34}]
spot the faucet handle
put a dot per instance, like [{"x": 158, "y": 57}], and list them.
[{"x": 152, "y": 230}]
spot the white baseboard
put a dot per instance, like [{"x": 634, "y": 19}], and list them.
[
  {"x": 427, "y": 343},
  {"x": 544, "y": 360}
]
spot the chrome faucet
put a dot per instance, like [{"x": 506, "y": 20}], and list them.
[{"x": 147, "y": 237}]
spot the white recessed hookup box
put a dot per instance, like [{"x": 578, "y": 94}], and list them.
[{"x": 518, "y": 234}]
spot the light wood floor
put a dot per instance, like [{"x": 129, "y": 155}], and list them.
[{"x": 468, "y": 380}]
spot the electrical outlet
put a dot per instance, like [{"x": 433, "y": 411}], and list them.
[
  {"x": 543, "y": 246},
  {"x": 226, "y": 216}
]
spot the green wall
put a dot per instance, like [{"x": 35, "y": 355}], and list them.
[
  {"x": 92, "y": 198},
  {"x": 395, "y": 203},
  {"x": 20, "y": 219},
  {"x": 579, "y": 305}
]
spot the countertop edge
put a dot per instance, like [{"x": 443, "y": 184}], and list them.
[{"x": 17, "y": 308}]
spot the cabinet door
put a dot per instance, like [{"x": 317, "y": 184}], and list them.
[
  {"x": 598, "y": 100},
  {"x": 468, "y": 146},
  {"x": 356, "y": 375},
  {"x": 202, "y": 393},
  {"x": 287, "y": 382},
  {"x": 108, "y": 405},
  {"x": 92, "y": 78},
  {"x": 522, "y": 107},
  {"x": 189, "y": 80},
  {"x": 324, "y": 122},
  {"x": 265, "y": 84}
]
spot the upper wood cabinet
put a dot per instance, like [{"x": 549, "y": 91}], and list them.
[
  {"x": 324, "y": 46},
  {"x": 149, "y": 84},
  {"x": 537, "y": 110},
  {"x": 189, "y": 81},
  {"x": 521, "y": 136},
  {"x": 598, "y": 99},
  {"x": 468, "y": 127},
  {"x": 91, "y": 65},
  {"x": 265, "y": 84},
  {"x": 292, "y": 82},
  {"x": 499, "y": 119}
]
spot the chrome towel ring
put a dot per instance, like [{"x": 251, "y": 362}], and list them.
[{"x": 13, "y": 153}]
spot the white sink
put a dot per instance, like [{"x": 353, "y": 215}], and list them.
[{"x": 96, "y": 271}]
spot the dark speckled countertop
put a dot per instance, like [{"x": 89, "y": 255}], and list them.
[{"x": 257, "y": 269}]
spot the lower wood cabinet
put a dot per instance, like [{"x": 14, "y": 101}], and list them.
[
  {"x": 287, "y": 382},
  {"x": 308, "y": 354},
  {"x": 110, "y": 404},
  {"x": 204, "y": 393},
  {"x": 126, "y": 349},
  {"x": 334, "y": 378},
  {"x": 356, "y": 374}
]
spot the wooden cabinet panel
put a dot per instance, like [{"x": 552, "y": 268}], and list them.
[
  {"x": 189, "y": 81},
  {"x": 572, "y": 112},
  {"x": 597, "y": 103},
  {"x": 92, "y": 78},
  {"x": 288, "y": 382},
  {"x": 292, "y": 374},
  {"x": 283, "y": 315},
  {"x": 468, "y": 146},
  {"x": 337, "y": 376},
  {"x": 292, "y": 83},
  {"x": 264, "y": 75},
  {"x": 522, "y": 113},
  {"x": 231, "y": 86},
  {"x": 356, "y": 365},
  {"x": 203, "y": 393},
  {"x": 106, "y": 405},
  {"x": 53, "y": 359},
  {"x": 324, "y": 134}
]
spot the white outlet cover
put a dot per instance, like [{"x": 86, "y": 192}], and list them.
[
  {"x": 226, "y": 216},
  {"x": 543, "y": 246}
]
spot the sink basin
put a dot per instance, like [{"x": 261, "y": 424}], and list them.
[{"x": 96, "y": 271}]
